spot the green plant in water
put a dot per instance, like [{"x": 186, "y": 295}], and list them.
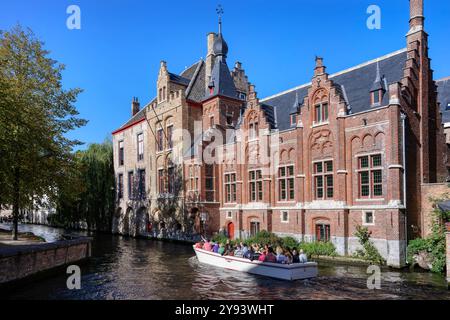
[
  {"x": 434, "y": 245},
  {"x": 368, "y": 252}
]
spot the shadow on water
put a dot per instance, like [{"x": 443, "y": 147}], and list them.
[{"x": 125, "y": 268}]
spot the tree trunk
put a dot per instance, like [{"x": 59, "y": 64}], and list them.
[{"x": 16, "y": 204}]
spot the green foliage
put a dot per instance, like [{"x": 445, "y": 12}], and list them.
[
  {"x": 315, "y": 249},
  {"x": 88, "y": 194},
  {"x": 369, "y": 251},
  {"x": 220, "y": 238},
  {"x": 36, "y": 114},
  {"x": 265, "y": 238},
  {"x": 435, "y": 244},
  {"x": 290, "y": 242}
]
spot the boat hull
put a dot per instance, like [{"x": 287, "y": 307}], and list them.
[{"x": 289, "y": 272}]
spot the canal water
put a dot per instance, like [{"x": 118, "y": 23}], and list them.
[{"x": 126, "y": 268}]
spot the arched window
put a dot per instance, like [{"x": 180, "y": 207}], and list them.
[{"x": 321, "y": 107}]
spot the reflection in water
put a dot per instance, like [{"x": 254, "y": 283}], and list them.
[{"x": 124, "y": 268}]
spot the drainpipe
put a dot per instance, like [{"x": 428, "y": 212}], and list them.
[{"x": 403, "y": 118}]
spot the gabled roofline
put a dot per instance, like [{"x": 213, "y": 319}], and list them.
[{"x": 338, "y": 73}]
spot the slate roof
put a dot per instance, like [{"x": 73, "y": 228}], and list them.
[
  {"x": 221, "y": 80},
  {"x": 444, "y": 98},
  {"x": 194, "y": 80},
  {"x": 353, "y": 84}
]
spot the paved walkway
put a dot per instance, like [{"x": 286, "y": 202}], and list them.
[{"x": 24, "y": 240}]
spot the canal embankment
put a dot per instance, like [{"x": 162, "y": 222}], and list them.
[{"x": 30, "y": 256}]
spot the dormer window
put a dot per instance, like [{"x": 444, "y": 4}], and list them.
[
  {"x": 293, "y": 119},
  {"x": 448, "y": 107},
  {"x": 377, "y": 97},
  {"x": 321, "y": 113}
]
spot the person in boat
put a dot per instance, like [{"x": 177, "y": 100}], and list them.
[
  {"x": 244, "y": 249},
  {"x": 281, "y": 258},
  {"x": 295, "y": 256},
  {"x": 207, "y": 246},
  {"x": 288, "y": 254},
  {"x": 270, "y": 257},
  {"x": 303, "y": 258},
  {"x": 250, "y": 254},
  {"x": 221, "y": 249},
  {"x": 262, "y": 256},
  {"x": 199, "y": 245},
  {"x": 238, "y": 251},
  {"x": 215, "y": 247}
]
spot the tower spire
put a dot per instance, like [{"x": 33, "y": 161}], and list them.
[{"x": 220, "y": 12}]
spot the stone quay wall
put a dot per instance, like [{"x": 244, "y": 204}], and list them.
[{"x": 17, "y": 263}]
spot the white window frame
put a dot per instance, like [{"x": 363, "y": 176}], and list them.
[
  {"x": 282, "y": 216},
  {"x": 229, "y": 215},
  {"x": 364, "y": 216}
]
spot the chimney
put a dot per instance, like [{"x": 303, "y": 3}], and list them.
[
  {"x": 210, "y": 56},
  {"x": 135, "y": 106},
  {"x": 416, "y": 14},
  {"x": 319, "y": 69}
]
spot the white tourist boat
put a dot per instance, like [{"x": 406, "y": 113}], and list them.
[{"x": 289, "y": 272}]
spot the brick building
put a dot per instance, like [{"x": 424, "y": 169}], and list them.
[{"x": 358, "y": 147}]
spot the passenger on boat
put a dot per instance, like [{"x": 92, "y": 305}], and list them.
[
  {"x": 288, "y": 255},
  {"x": 199, "y": 245},
  {"x": 281, "y": 258},
  {"x": 250, "y": 254},
  {"x": 215, "y": 247},
  {"x": 302, "y": 257},
  {"x": 295, "y": 256},
  {"x": 221, "y": 250},
  {"x": 244, "y": 249},
  {"x": 262, "y": 256},
  {"x": 270, "y": 257},
  {"x": 207, "y": 246},
  {"x": 238, "y": 252}
]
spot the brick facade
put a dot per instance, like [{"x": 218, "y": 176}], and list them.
[{"x": 295, "y": 171}]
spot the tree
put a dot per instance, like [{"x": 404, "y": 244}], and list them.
[
  {"x": 36, "y": 113},
  {"x": 88, "y": 194}
]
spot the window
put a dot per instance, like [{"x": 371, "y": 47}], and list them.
[
  {"x": 368, "y": 218},
  {"x": 140, "y": 139},
  {"x": 323, "y": 232},
  {"x": 160, "y": 140},
  {"x": 120, "y": 186},
  {"x": 286, "y": 183},
  {"x": 229, "y": 119},
  {"x": 321, "y": 113},
  {"x": 293, "y": 119},
  {"x": 191, "y": 178},
  {"x": 255, "y": 185},
  {"x": 171, "y": 182},
  {"x": 160, "y": 95},
  {"x": 161, "y": 181},
  {"x": 323, "y": 180},
  {"x": 230, "y": 188},
  {"x": 121, "y": 154},
  {"x": 211, "y": 122},
  {"x": 209, "y": 182},
  {"x": 370, "y": 175},
  {"x": 376, "y": 97},
  {"x": 229, "y": 215},
  {"x": 255, "y": 227},
  {"x": 131, "y": 186},
  {"x": 242, "y": 96},
  {"x": 284, "y": 216},
  {"x": 141, "y": 186},
  {"x": 170, "y": 137}
]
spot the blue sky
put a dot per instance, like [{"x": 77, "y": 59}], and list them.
[{"x": 116, "y": 54}]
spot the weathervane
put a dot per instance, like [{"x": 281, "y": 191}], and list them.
[{"x": 220, "y": 11}]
